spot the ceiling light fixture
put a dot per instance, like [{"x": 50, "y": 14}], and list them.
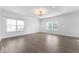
[{"x": 40, "y": 11}]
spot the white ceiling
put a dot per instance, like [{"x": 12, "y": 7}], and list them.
[{"x": 29, "y": 10}]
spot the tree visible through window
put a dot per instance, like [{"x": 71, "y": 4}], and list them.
[{"x": 52, "y": 26}]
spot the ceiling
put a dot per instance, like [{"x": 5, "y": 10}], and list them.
[{"x": 29, "y": 10}]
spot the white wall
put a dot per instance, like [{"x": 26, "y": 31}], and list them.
[
  {"x": 0, "y": 27},
  {"x": 68, "y": 24},
  {"x": 31, "y": 24}
]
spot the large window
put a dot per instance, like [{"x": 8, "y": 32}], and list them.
[
  {"x": 14, "y": 25},
  {"x": 52, "y": 26}
]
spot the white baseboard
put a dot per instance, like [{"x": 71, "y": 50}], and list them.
[
  {"x": 18, "y": 35},
  {"x": 63, "y": 34}
]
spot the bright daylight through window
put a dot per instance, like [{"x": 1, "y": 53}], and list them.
[{"x": 14, "y": 25}]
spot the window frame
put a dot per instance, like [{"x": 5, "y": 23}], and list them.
[
  {"x": 16, "y": 30},
  {"x": 54, "y": 25}
]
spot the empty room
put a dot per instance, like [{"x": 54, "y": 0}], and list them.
[{"x": 39, "y": 29}]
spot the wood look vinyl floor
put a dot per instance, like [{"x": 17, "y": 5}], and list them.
[{"x": 40, "y": 43}]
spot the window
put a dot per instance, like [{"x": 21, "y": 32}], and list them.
[
  {"x": 14, "y": 25},
  {"x": 49, "y": 26},
  {"x": 20, "y": 25},
  {"x": 52, "y": 26},
  {"x": 11, "y": 25}
]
